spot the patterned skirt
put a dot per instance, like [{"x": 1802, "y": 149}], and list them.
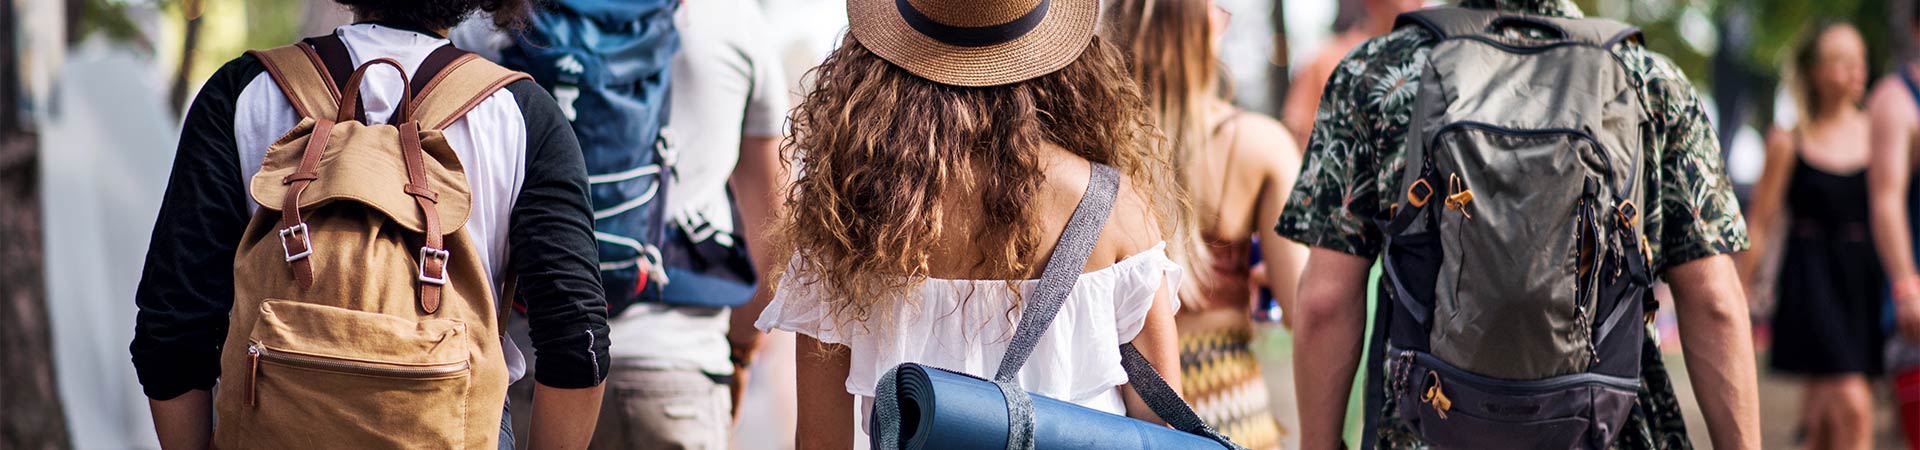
[{"x": 1220, "y": 376}]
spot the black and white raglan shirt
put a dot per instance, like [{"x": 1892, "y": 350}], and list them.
[{"x": 530, "y": 216}]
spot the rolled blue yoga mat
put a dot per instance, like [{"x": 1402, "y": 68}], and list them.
[{"x": 972, "y": 414}]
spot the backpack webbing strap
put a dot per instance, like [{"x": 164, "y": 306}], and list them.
[
  {"x": 1063, "y": 268},
  {"x": 301, "y": 77},
  {"x": 467, "y": 81},
  {"x": 1161, "y": 398}
]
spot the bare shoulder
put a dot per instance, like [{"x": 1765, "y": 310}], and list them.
[
  {"x": 1264, "y": 143},
  {"x": 1134, "y": 226},
  {"x": 1891, "y": 102}
]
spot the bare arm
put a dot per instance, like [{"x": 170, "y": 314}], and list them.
[
  {"x": 1887, "y": 178},
  {"x": 1768, "y": 198},
  {"x": 1331, "y": 321},
  {"x": 1303, "y": 97},
  {"x": 827, "y": 419},
  {"x": 757, "y": 182},
  {"x": 558, "y": 418},
  {"x": 1282, "y": 257},
  {"x": 184, "y": 422},
  {"x": 1160, "y": 343},
  {"x": 1893, "y": 115},
  {"x": 1718, "y": 343}
]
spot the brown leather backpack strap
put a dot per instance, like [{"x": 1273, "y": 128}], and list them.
[
  {"x": 467, "y": 81},
  {"x": 295, "y": 238},
  {"x": 302, "y": 78},
  {"x": 350, "y": 103},
  {"x": 434, "y": 254},
  {"x": 435, "y": 64}
]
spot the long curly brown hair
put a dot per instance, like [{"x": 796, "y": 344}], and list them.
[{"x": 886, "y": 158}]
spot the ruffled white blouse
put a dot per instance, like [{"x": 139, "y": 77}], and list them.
[{"x": 966, "y": 325}]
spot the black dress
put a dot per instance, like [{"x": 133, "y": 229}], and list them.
[{"x": 1830, "y": 319}]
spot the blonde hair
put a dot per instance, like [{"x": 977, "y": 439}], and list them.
[
  {"x": 1806, "y": 54},
  {"x": 1170, "y": 53}
]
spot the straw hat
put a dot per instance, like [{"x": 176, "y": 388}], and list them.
[{"x": 975, "y": 42}]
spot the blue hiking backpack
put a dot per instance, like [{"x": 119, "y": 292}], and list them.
[{"x": 606, "y": 63}]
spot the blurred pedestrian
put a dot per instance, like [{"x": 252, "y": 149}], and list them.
[
  {"x": 1828, "y": 325},
  {"x": 1238, "y": 168},
  {"x": 349, "y": 358},
  {"x": 1894, "y": 109},
  {"x": 1303, "y": 95},
  {"x": 673, "y": 383},
  {"x": 1365, "y": 191},
  {"x": 941, "y": 153}
]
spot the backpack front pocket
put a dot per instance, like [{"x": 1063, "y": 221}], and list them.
[
  {"x": 329, "y": 377},
  {"x": 1455, "y": 409}
]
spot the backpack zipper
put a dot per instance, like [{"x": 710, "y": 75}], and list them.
[
  {"x": 257, "y": 353},
  {"x": 1483, "y": 382},
  {"x": 1437, "y": 397}
]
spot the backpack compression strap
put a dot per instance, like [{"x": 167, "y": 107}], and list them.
[{"x": 1465, "y": 23}]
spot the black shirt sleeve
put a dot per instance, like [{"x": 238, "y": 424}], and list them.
[
  {"x": 552, "y": 250},
  {"x": 186, "y": 288}
]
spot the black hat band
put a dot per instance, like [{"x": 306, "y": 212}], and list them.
[{"x": 972, "y": 36}]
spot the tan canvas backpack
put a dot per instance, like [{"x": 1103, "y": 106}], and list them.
[{"x": 362, "y": 315}]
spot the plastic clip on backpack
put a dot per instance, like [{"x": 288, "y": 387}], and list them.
[
  {"x": 1516, "y": 260},
  {"x": 361, "y": 317},
  {"x": 925, "y": 408}
]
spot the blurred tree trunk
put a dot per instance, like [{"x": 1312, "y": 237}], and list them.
[
  {"x": 30, "y": 414},
  {"x": 182, "y": 78},
  {"x": 1280, "y": 70}
]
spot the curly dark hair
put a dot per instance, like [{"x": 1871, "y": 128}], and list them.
[
  {"x": 441, "y": 14},
  {"x": 878, "y": 150}
]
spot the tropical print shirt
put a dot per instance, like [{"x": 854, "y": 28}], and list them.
[{"x": 1357, "y": 148}]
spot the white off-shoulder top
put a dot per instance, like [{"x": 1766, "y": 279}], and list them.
[{"x": 965, "y": 326}]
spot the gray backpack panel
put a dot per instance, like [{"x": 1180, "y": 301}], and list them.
[{"x": 1516, "y": 250}]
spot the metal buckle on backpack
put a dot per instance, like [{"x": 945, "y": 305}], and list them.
[
  {"x": 306, "y": 243},
  {"x": 442, "y": 255}
]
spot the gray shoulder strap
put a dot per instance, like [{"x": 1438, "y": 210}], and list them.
[
  {"x": 1056, "y": 281},
  {"x": 1063, "y": 268},
  {"x": 1466, "y": 23}
]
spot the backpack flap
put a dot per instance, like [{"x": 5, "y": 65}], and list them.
[{"x": 360, "y": 164}]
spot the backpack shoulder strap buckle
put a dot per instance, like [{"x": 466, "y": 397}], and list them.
[
  {"x": 1419, "y": 192},
  {"x": 1627, "y": 213}
]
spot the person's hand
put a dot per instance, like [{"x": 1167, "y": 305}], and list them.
[{"x": 1906, "y": 307}]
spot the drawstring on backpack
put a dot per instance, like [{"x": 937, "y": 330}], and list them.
[{"x": 1461, "y": 195}]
